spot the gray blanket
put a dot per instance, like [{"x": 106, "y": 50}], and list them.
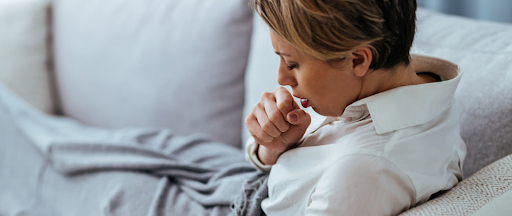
[{"x": 73, "y": 169}]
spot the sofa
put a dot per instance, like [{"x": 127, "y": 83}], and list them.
[{"x": 198, "y": 67}]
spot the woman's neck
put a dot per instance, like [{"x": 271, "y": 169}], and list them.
[{"x": 377, "y": 81}]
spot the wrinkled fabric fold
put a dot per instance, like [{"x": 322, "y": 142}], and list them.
[{"x": 187, "y": 175}]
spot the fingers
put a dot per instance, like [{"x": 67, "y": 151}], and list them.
[
  {"x": 273, "y": 113},
  {"x": 256, "y": 131},
  {"x": 284, "y": 101},
  {"x": 270, "y": 117},
  {"x": 299, "y": 117},
  {"x": 266, "y": 124}
]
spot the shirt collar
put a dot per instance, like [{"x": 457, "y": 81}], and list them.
[{"x": 410, "y": 105}]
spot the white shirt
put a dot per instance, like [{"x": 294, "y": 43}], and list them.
[{"x": 385, "y": 154}]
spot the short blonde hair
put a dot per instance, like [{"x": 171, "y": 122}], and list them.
[{"x": 329, "y": 29}]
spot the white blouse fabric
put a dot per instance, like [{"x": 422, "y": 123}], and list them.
[{"x": 385, "y": 154}]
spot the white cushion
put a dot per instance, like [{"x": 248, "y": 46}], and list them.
[
  {"x": 175, "y": 64},
  {"x": 24, "y": 54}
]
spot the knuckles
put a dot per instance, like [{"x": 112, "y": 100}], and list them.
[
  {"x": 285, "y": 105},
  {"x": 266, "y": 95},
  {"x": 248, "y": 119},
  {"x": 280, "y": 88},
  {"x": 267, "y": 126},
  {"x": 264, "y": 137},
  {"x": 257, "y": 106},
  {"x": 275, "y": 116}
]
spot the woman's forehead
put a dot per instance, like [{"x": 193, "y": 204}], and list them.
[{"x": 283, "y": 47}]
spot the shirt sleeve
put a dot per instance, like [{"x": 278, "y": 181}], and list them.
[
  {"x": 251, "y": 155},
  {"x": 362, "y": 185}
]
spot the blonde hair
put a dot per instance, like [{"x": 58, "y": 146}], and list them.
[{"x": 330, "y": 29}]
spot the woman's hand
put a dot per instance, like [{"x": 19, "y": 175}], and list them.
[{"x": 276, "y": 123}]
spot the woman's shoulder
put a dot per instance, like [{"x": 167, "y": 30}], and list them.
[{"x": 430, "y": 154}]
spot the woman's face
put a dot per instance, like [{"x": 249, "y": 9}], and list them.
[{"x": 328, "y": 87}]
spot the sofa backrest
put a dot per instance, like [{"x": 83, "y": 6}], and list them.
[{"x": 174, "y": 64}]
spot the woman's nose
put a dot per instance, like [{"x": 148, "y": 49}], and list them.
[{"x": 285, "y": 76}]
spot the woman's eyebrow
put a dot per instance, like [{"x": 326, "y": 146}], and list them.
[{"x": 280, "y": 53}]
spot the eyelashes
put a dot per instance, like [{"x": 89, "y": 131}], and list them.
[{"x": 291, "y": 67}]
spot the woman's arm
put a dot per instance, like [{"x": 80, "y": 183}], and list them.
[{"x": 362, "y": 185}]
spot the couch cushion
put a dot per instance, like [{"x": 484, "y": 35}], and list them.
[
  {"x": 477, "y": 195},
  {"x": 484, "y": 97},
  {"x": 176, "y": 64},
  {"x": 24, "y": 54}
]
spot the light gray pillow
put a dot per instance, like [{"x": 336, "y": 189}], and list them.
[
  {"x": 176, "y": 64},
  {"x": 484, "y": 97}
]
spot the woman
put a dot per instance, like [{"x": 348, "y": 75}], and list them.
[{"x": 391, "y": 136}]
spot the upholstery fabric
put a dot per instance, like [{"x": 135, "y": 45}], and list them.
[
  {"x": 498, "y": 206},
  {"x": 24, "y": 51},
  {"x": 484, "y": 52},
  {"x": 174, "y": 64},
  {"x": 489, "y": 185}
]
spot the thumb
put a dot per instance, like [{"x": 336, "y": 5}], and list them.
[{"x": 299, "y": 118}]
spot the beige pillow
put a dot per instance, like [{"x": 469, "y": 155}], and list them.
[
  {"x": 487, "y": 192},
  {"x": 24, "y": 51}
]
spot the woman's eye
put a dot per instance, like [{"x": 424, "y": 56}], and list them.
[{"x": 291, "y": 67}]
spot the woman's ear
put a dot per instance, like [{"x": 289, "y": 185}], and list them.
[{"x": 361, "y": 58}]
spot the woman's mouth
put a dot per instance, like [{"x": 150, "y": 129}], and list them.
[{"x": 304, "y": 103}]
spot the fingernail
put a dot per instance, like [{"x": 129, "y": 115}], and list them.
[{"x": 293, "y": 117}]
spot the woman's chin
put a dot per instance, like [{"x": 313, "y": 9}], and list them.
[{"x": 316, "y": 110}]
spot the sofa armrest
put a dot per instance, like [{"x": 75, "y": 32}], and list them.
[{"x": 484, "y": 193}]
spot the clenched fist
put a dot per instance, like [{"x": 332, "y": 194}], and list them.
[{"x": 276, "y": 123}]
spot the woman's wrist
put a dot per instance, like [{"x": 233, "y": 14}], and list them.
[{"x": 267, "y": 156}]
